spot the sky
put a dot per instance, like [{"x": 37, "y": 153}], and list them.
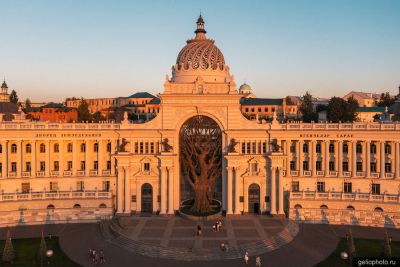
[{"x": 50, "y": 50}]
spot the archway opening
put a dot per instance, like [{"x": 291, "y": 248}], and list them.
[
  {"x": 200, "y": 142},
  {"x": 147, "y": 198},
  {"x": 254, "y": 198}
]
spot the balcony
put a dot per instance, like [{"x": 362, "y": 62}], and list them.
[
  {"x": 360, "y": 174},
  {"x": 320, "y": 173},
  {"x": 12, "y": 174},
  {"x": 67, "y": 173},
  {"x": 80, "y": 173},
  {"x": 26, "y": 174},
  {"x": 294, "y": 173},
  {"x": 307, "y": 173},
  {"x": 346, "y": 174},
  {"x": 93, "y": 173},
  {"x": 106, "y": 172},
  {"x": 55, "y": 195},
  {"x": 389, "y": 175},
  {"x": 40, "y": 174},
  {"x": 307, "y": 195},
  {"x": 333, "y": 173},
  {"x": 54, "y": 173},
  {"x": 375, "y": 174}
]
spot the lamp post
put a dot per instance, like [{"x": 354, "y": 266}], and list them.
[{"x": 49, "y": 254}]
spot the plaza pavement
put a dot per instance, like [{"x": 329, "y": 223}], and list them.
[{"x": 312, "y": 244}]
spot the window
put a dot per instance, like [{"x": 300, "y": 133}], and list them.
[
  {"x": 345, "y": 148},
  {"x": 141, "y": 147},
  {"x": 56, "y": 166},
  {"x": 253, "y": 147},
  {"x": 388, "y": 167},
  {"x": 80, "y": 186},
  {"x": 77, "y": 206},
  {"x": 246, "y": 109},
  {"x": 293, "y": 148},
  {"x": 331, "y": 148},
  {"x": 96, "y": 147},
  {"x": 42, "y": 166},
  {"x": 252, "y": 109},
  {"x": 253, "y": 167},
  {"x": 265, "y": 109},
  {"x": 106, "y": 186},
  {"x": 42, "y": 148},
  {"x": 331, "y": 165},
  {"x": 295, "y": 186},
  {"x": 359, "y": 166},
  {"x": 292, "y": 165},
  {"x": 13, "y": 166},
  {"x": 373, "y": 167},
  {"x": 378, "y": 209},
  {"x": 347, "y": 188},
  {"x": 69, "y": 165},
  {"x": 13, "y": 148},
  {"x": 1, "y": 167},
  {"x": 248, "y": 148},
  {"x": 83, "y": 147},
  {"x": 373, "y": 149},
  {"x": 28, "y": 166},
  {"x": 345, "y": 166},
  {"x": 264, "y": 147},
  {"x": 318, "y": 148},
  {"x": 146, "y": 166},
  {"x": 376, "y": 189},
  {"x": 25, "y": 187},
  {"x": 320, "y": 186},
  {"x": 83, "y": 165},
  {"x": 69, "y": 148},
  {"x": 318, "y": 166},
  {"x": 56, "y": 148},
  {"x": 305, "y": 165},
  {"x": 259, "y": 109},
  {"x": 53, "y": 186},
  {"x": 108, "y": 164},
  {"x": 1, "y": 149},
  {"x": 136, "y": 148},
  {"x": 388, "y": 149},
  {"x": 109, "y": 147},
  {"x": 305, "y": 148},
  {"x": 151, "y": 148},
  {"x": 96, "y": 165},
  {"x": 28, "y": 148},
  {"x": 359, "y": 148}
]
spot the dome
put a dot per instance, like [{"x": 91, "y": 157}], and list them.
[
  {"x": 244, "y": 86},
  {"x": 200, "y": 52}
]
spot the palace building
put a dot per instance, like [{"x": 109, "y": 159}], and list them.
[{"x": 340, "y": 173}]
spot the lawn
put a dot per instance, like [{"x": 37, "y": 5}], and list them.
[
  {"x": 364, "y": 248},
  {"x": 26, "y": 251}
]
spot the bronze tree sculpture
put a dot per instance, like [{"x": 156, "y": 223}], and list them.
[{"x": 201, "y": 159}]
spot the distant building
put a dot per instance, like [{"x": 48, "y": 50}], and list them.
[
  {"x": 54, "y": 112},
  {"x": 9, "y": 111},
  {"x": 364, "y": 99},
  {"x": 368, "y": 114},
  {"x": 264, "y": 108}
]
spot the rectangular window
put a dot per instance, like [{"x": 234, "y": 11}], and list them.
[
  {"x": 318, "y": 148},
  {"x": 293, "y": 148},
  {"x": 53, "y": 186},
  {"x": 56, "y": 166},
  {"x": 376, "y": 189},
  {"x": 292, "y": 165},
  {"x": 141, "y": 148},
  {"x": 253, "y": 167},
  {"x": 359, "y": 166},
  {"x": 320, "y": 186},
  {"x": 253, "y": 147},
  {"x": 264, "y": 147},
  {"x": 305, "y": 148},
  {"x": 1, "y": 167},
  {"x": 243, "y": 148},
  {"x": 373, "y": 167},
  {"x": 28, "y": 166},
  {"x": 347, "y": 188},
  {"x": 151, "y": 148},
  {"x": 345, "y": 148},
  {"x": 25, "y": 188},
  {"x": 345, "y": 166},
  {"x": 331, "y": 165},
  {"x": 83, "y": 165},
  {"x": 295, "y": 186},
  {"x": 318, "y": 165},
  {"x": 136, "y": 147},
  {"x": 80, "y": 186},
  {"x": 13, "y": 166},
  {"x": 146, "y": 147},
  {"x": 305, "y": 165},
  {"x": 42, "y": 166},
  {"x": 106, "y": 186},
  {"x": 388, "y": 167},
  {"x": 96, "y": 165},
  {"x": 108, "y": 164},
  {"x": 69, "y": 165},
  {"x": 331, "y": 148},
  {"x": 248, "y": 148},
  {"x": 146, "y": 166}
]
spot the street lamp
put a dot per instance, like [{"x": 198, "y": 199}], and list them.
[{"x": 49, "y": 254}]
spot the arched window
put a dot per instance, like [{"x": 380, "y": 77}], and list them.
[
  {"x": 28, "y": 148},
  {"x": 56, "y": 148},
  {"x": 69, "y": 147},
  {"x": 345, "y": 148},
  {"x": 378, "y": 209},
  {"x": 83, "y": 147},
  {"x": 388, "y": 149},
  {"x": 13, "y": 148},
  {"x": 42, "y": 148},
  {"x": 298, "y": 206},
  {"x": 305, "y": 148},
  {"x": 359, "y": 148},
  {"x": 102, "y": 206},
  {"x": 350, "y": 207},
  {"x": 95, "y": 147},
  {"x": 373, "y": 149},
  {"x": 323, "y": 207},
  {"x": 77, "y": 206},
  {"x": 109, "y": 147},
  {"x": 51, "y": 207}
]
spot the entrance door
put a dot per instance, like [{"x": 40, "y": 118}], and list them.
[
  {"x": 147, "y": 198},
  {"x": 254, "y": 199}
]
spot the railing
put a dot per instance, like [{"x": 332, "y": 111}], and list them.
[
  {"x": 320, "y": 173},
  {"x": 67, "y": 173},
  {"x": 307, "y": 173},
  {"x": 106, "y": 172},
  {"x": 54, "y": 173},
  {"x": 388, "y": 175},
  {"x": 26, "y": 174},
  {"x": 333, "y": 173},
  {"x": 59, "y": 126},
  {"x": 54, "y": 195},
  {"x": 12, "y": 174},
  {"x": 346, "y": 174},
  {"x": 360, "y": 174},
  {"x": 375, "y": 174},
  {"x": 93, "y": 173},
  {"x": 294, "y": 173},
  {"x": 40, "y": 174},
  {"x": 80, "y": 173},
  {"x": 344, "y": 196},
  {"x": 341, "y": 126}
]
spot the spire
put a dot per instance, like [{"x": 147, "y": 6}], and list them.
[
  {"x": 4, "y": 85},
  {"x": 200, "y": 31}
]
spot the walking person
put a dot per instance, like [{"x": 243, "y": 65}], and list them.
[
  {"x": 258, "y": 261},
  {"x": 246, "y": 258}
]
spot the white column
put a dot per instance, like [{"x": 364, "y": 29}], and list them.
[
  {"x": 127, "y": 190},
  {"x": 120, "y": 190},
  {"x": 368, "y": 158},
  {"x": 111, "y": 159},
  {"x": 340, "y": 158},
  {"x": 229, "y": 191},
  {"x": 354, "y": 158},
  {"x": 19, "y": 158},
  {"x": 280, "y": 192},
  {"x": 326, "y": 157},
  {"x": 273, "y": 191},
  {"x": 313, "y": 158},
  {"x": 47, "y": 159},
  {"x": 164, "y": 191},
  {"x": 4, "y": 159},
  {"x": 382, "y": 158},
  {"x": 397, "y": 160},
  {"x": 171, "y": 190},
  {"x": 238, "y": 192}
]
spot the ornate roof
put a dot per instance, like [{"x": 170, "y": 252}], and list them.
[
  {"x": 4, "y": 85},
  {"x": 200, "y": 52}
]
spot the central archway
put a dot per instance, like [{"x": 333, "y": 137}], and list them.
[
  {"x": 200, "y": 147},
  {"x": 147, "y": 198}
]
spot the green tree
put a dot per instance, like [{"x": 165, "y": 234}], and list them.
[
  {"x": 386, "y": 100},
  {"x": 306, "y": 108},
  {"x": 14, "y": 97},
  {"x": 83, "y": 111},
  {"x": 336, "y": 109},
  {"x": 28, "y": 104},
  {"x": 8, "y": 252},
  {"x": 96, "y": 117},
  {"x": 351, "y": 107}
]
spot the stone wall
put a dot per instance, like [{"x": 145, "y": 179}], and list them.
[{"x": 346, "y": 217}]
